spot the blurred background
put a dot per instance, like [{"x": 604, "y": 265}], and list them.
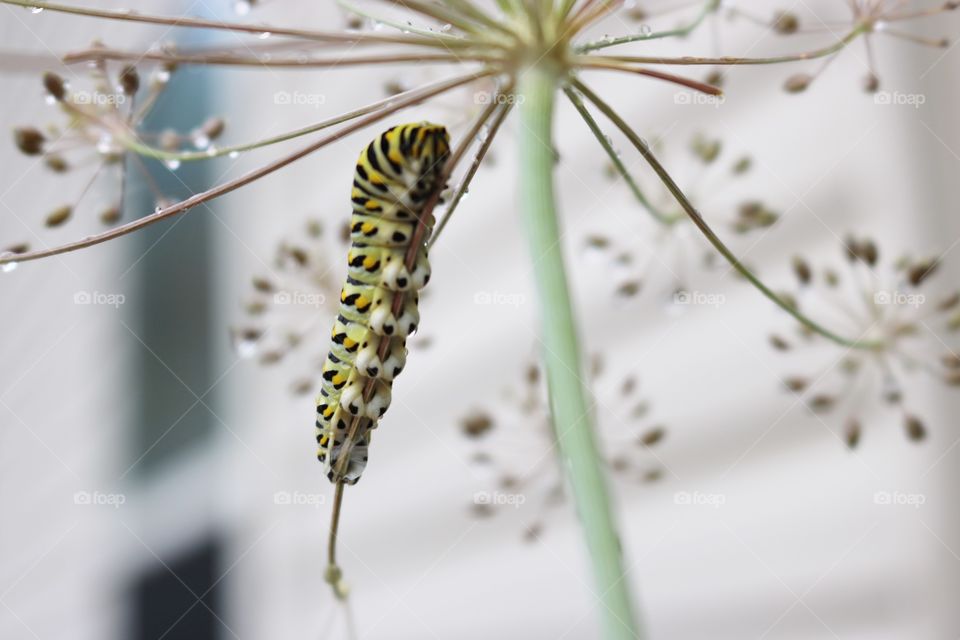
[{"x": 157, "y": 469}]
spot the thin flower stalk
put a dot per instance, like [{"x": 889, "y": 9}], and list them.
[
  {"x": 644, "y": 150},
  {"x": 236, "y": 183}
]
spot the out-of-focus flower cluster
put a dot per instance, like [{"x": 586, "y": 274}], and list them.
[
  {"x": 100, "y": 118},
  {"x": 513, "y": 443},
  {"x": 672, "y": 260},
  {"x": 913, "y": 330}
]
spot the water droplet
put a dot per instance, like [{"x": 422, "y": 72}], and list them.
[
  {"x": 105, "y": 144},
  {"x": 8, "y": 267},
  {"x": 483, "y": 133},
  {"x": 201, "y": 141},
  {"x": 163, "y": 76},
  {"x": 173, "y": 165},
  {"x": 446, "y": 27},
  {"x": 212, "y": 151},
  {"x": 246, "y": 347},
  {"x": 158, "y": 208},
  {"x": 36, "y": 9},
  {"x": 50, "y": 100},
  {"x": 233, "y": 155},
  {"x": 264, "y": 35},
  {"x": 241, "y": 7}
]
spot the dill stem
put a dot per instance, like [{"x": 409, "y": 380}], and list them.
[{"x": 570, "y": 409}]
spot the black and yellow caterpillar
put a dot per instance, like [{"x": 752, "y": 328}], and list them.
[{"x": 396, "y": 176}]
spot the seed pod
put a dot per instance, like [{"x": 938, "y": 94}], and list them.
[
  {"x": 949, "y": 302},
  {"x": 477, "y": 424},
  {"x": 916, "y": 431},
  {"x": 110, "y": 214},
  {"x": 801, "y": 269},
  {"x": 822, "y": 402},
  {"x": 629, "y": 289},
  {"x": 653, "y": 436},
  {"x": 705, "y": 149},
  {"x": 797, "y": 384},
  {"x": 54, "y": 85},
  {"x": 919, "y": 272},
  {"x": 262, "y": 285},
  {"x": 56, "y": 163},
  {"x": 852, "y": 433},
  {"x": 779, "y": 343},
  {"x": 29, "y": 140},
  {"x": 58, "y": 216},
  {"x": 742, "y": 165},
  {"x": 213, "y": 127},
  {"x": 798, "y": 83},
  {"x": 129, "y": 80},
  {"x": 786, "y": 23}
]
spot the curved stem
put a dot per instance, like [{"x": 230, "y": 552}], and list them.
[
  {"x": 708, "y": 232},
  {"x": 732, "y": 61},
  {"x": 588, "y": 62},
  {"x": 570, "y": 409},
  {"x": 708, "y": 7},
  {"x": 431, "y": 40},
  {"x": 409, "y": 97},
  {"x": 231, "y": 60},
  {"x": 230, "y": 185},
  {"x": 659, "y": 216}
]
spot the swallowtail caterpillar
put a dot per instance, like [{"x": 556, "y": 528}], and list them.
[{"x": 397, "y": 182}]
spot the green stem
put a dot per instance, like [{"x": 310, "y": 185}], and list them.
[
  {"x": 658, "y": 215},
  {"x": 708, "y": 232},
  {"x": 708, "y": 7},
  {"x": 571, "y": 412}
]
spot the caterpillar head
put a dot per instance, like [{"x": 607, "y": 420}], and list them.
[{"x": 425, "y": 147}]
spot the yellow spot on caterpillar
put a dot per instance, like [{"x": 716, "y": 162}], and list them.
[
  {"x": 395, "y": 157},
  {"x": 369, "y": 262},
  {"x": 372, "y": 204},
  {"x": 362, "y": 304},
  {"x": 368, "y": 227},
  {"x": 349, "y": 344}
]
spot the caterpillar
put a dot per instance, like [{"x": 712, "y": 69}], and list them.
[{"x": 397, "y": 176}]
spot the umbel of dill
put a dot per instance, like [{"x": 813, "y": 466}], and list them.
[{"x": 532, "y": 51}]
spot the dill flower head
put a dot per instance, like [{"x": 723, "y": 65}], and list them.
[
  {"x": 908, "y": 326},
  {"x": 513, "y": 444}
]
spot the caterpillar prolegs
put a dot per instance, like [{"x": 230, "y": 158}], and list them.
[{"x": 397, "y": 176}]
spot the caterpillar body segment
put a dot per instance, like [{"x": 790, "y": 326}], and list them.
[
  {"x": 397, "y": 174},
  {"x": 384, "y": 266}
]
